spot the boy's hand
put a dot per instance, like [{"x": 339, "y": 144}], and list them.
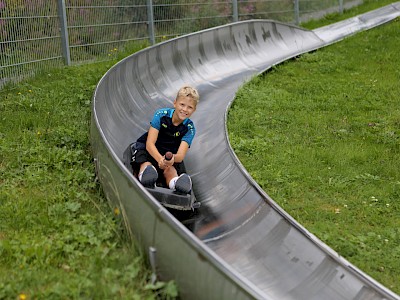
[{"x": 167, "y": 161}]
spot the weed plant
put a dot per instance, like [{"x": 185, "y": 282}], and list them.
[
  {"x": 321, "y": 135},
  {"x": 58, "y": 237}
]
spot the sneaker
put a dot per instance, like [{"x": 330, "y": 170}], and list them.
[
  {"x": 183, "y": 184},
  {"x": 149, "y": 177}
]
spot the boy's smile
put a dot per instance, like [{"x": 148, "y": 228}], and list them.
[{"x": 184, "y": 108}]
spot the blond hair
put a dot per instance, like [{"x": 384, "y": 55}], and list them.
[{"x": 188, "y": 91}]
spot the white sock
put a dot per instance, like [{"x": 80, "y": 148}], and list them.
[{"x": 173, "y": 182}]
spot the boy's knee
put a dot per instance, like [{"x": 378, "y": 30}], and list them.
[{"x": 169, "y": 171}]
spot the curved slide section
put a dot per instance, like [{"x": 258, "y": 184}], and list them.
[{"x": 240, "y": 244}]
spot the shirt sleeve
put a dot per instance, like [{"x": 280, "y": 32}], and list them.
[
  {"x": 156, "y": 121},
  {"x": 189, "y": 136}
]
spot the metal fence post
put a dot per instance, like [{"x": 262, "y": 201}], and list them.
[
  {"x": 150, "y": 20},
  {"x": 235, "y": 11},
  {"x": 340, "y": 6},
  {"x": 62, "y": 14},
  {"x": 296, "y": 12}
]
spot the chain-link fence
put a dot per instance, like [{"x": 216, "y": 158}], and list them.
[
  {"x": 29, "y": 38},
  {"x": 37, "y": 34}
]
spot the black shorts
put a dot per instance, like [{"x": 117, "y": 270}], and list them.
[{"x": 140, "y": 155}]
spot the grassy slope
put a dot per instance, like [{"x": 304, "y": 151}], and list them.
[
  {"x": 321, "y": 134},
  {"x": 58, "y": 237}
]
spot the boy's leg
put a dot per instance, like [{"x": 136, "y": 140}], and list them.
[
  {"x": 181, "y": 183},
  {"x": 148, "y": 174},
  {"x": 143, "y": 166},
  {"x": 169, "y": 174}
]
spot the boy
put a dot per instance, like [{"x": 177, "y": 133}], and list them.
[{"x": 171, "y": 130}]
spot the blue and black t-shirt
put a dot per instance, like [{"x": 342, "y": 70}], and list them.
[{"x": 169, "y": 135}]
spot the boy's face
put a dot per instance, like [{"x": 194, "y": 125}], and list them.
[{"x": 184, "y": 107}]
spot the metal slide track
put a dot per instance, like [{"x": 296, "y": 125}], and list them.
[{"x": 240, "y": 244}]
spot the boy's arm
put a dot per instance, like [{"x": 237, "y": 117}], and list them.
[
  {"x": 153, "y": 151},
  {"x": 180, "y": 155}
]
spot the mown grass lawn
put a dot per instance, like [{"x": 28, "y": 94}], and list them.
[{"x": 321, "y": 135}]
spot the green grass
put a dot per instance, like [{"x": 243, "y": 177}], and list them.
[
  {"x": 368, "y": 5},
  {"x": 321, "y": 135},
  {"x": 329, "y": 151},
  {"x": 59, "y": 239}
]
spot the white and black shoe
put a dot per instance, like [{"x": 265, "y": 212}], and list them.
[
  {"x": 183, "y": 184},
  {"x": 149, "y": 177}
]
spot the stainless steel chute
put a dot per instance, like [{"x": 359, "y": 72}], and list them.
[{"x": 241, "y": 244}]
